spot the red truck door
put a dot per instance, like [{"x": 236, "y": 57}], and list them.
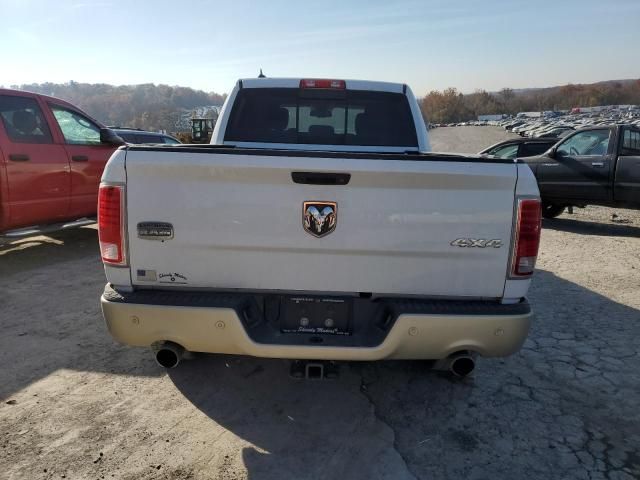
[
  {"x": 87, "y": 157},
  {"x": 37, "y": 169}
]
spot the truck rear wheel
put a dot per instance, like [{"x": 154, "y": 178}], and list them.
[{"x": 551, "y": 210}]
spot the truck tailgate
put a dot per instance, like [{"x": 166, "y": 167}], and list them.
[{"x": 238, "y": 223}]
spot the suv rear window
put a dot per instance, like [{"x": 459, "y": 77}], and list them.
[
  {"x": 534, "y": 148},
  {"x": 127, "y": 137},
  {"x": 321, "y": 117},
  {"x": 142, "y": 138}
]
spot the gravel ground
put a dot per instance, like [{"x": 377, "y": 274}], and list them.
[
  {"x": 76, "y": 405},
  {"x": 467, "y": 139}
]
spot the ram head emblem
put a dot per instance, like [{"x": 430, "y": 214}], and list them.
[{"x": 319, "y": 218}]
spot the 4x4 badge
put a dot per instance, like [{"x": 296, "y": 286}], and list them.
[
  {"x": 477, "y": 242},
  {"x": 319, "y": 218}
]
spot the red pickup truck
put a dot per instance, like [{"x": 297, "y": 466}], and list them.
[{"x": 51, "y": 159}]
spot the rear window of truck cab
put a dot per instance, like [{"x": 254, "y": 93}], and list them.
[
  {"x": 631, "y": 142},
  {"x": 321, "y": 117}
]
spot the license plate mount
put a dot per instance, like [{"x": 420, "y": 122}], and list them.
[{"x": 316, "y": 315}]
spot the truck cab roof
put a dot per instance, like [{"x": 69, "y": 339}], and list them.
[{"x": 370, "y": 85}]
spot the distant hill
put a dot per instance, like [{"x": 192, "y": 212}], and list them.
[
  {"x": 596, "y": 84},
  {"x": 147, "y": 106},
  {"x": 452, "y": 106}
]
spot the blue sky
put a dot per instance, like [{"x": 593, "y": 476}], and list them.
[{"x": 429, "y": 44}]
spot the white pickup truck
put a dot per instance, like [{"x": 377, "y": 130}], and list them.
[{"x": 317, "y": 226}]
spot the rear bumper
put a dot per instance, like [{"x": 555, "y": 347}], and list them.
[{"x": 217, "y": 323}]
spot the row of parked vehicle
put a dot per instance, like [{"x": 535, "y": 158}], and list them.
[
  {"x": 473, "y": 123},
  {"x": 556, "y": 124},
  {"x": 559, "y": 126}
]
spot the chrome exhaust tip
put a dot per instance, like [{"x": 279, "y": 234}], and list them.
[
  {"x": 169, "y": 354},
  {"x": 462, "y": 365}
]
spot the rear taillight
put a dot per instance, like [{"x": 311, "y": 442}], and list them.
[
  {"x": 323, "y": 83},
  {"x": 527, "y": 237},
  {"x": 111, "y": 224}
]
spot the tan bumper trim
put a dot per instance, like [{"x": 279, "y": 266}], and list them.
[{"x": 219, "y": 330}]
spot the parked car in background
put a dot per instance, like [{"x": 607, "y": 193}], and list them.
[
  {"x": 527, "y": 127},
  {"x": 137, "y": 136},
  {"x": 52, "y": 155},
  {"x": 557, "y": 132},
  {"x": 519, "y": 147},
  {"x": 592, "y": 166},
  {"x": 511, "y": 124}
]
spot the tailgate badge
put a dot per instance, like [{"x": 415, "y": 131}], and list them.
[
  {"x": 319, "y": 218},
  {"x": 155, "y": 230},
  {"x": 477, "y": 242}
]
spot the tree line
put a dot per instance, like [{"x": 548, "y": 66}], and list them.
[
  {"x": 449, "y": 105},
  {"x": 161, "y": 107},
  {"x": 147, "y": 106}
]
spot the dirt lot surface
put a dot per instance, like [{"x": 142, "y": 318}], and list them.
[
  {"x": 76, "y": 405},
  {"x": 467, "y": 139}
]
